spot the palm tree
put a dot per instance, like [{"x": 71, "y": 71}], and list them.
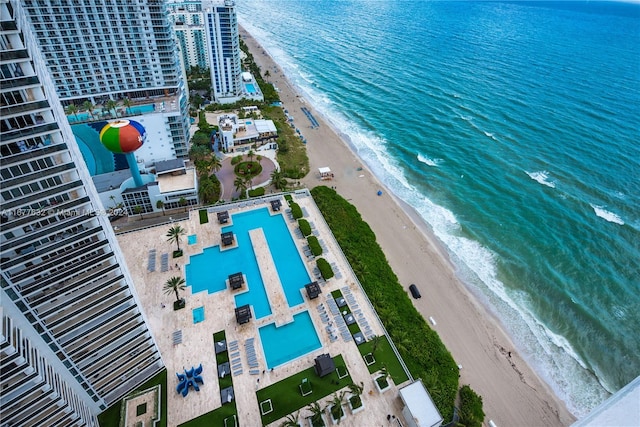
[
  {"x": 267, "y": 74},
  {"x": 113, "y": 200},
  {"x": 250, "y": 155},
  {"x": 127, "y": 103},
  {"x": 175, "y": 234},
  {"x": 138, "y": 210},
  {"x": 88, "y": 105},
  {"x": 160, "y": 205},
  {"x": 111, "y": 105},
  {"x": 72, "y": 109},
  {"x": 173, "y": 285},
  {"x": 259, "y": 159},
  {"x": 335, "y": 406},
  {"x": 375, "y": 343},
  {"x": 216, "y": 164},
  {"x": 356, "y": 391},
  {"x": 316, "y": 414},
  {"x": 278, "y": 180},
  {"x": 240, "y": 184},
  {"x": 291, "y": 420},
  {"x": 182, "y": 202}
]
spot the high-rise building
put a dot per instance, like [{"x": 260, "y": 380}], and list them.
[
  {"x": 221, "y": 23},
  {"x": 74, "y": 339},
  {"x": 119, "y": 50},
  {"x": 188, "y": 23}
]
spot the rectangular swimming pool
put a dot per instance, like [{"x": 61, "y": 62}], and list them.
[
  {"x": 300, "y": 337},
  {"x": 198, "y": 314},
  {"x": 192, "y": 239},
  {"x": 250, "y": 88}
]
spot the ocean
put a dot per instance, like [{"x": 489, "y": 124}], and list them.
[{"x": 513, "y": 130}]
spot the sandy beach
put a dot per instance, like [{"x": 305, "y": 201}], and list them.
[{"x": 513, "y": 394}]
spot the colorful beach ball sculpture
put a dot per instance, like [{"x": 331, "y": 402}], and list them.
[{"x": 123, "y": 136}]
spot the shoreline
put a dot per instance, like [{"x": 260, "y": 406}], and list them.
[{"x": 512, "y": 392}]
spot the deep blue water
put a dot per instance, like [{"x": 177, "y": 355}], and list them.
[{"x": 513, "y": 129}]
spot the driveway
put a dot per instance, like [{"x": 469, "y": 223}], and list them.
[{"x": 227, "y": 176}]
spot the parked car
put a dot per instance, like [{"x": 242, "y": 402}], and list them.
[{"x": 414, "y": 291}]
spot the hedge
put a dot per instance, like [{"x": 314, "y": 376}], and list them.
[
  {"x": 305, "y": 227},
  {"x": 427, "y": 357},
  {"x": 471, "y": 413},
  {"x": 325, "y": 268},
  {"x": 256, "y": 192},
  {"x": 296, "y": 211},
  {"x": 314, "y": 245}
]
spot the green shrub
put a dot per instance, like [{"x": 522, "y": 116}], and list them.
[
  {"x": 314, "y": 245},
  {"x": 296, "y": 211},
  {"x": 235, "y": 160},
  {"x": 325, "y": 268},
  {"x": 288, "y": 198},
  {"x": 256, "y": 192},
  {"x": 426, "y": 358},
  {"x": 304, "y": 227},
  {"x": 471, "y": 413},
  {"x": 204, "y": 217}
]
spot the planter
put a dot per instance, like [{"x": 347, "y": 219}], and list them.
[
  {"x": 177, "y": 254},
  {"x": 356, "y": 404},
  {"x": 336, "y": 418},
  {"x": 319, "y": 421},
  {"x": 178, "y": 305},
  {"x": 382, "y": 384}
]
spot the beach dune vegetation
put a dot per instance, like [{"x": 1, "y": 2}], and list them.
[{"x": 426, "y": 358}]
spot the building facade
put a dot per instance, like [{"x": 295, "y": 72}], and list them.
[
  {"x": 188, "y": 23},
  {"x": 74, "y": 339},
  {"x": 113, "y": 50},
  {"x": 221, "y": 24}
]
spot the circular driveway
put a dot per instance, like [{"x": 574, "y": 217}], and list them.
[{"x": 227, "y": 176}]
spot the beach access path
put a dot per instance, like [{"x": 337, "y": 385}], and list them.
[{"x": 513, "y": 394}]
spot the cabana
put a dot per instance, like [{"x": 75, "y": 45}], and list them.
[
  {"x": 236, "y": 280},
  {"x": 227, "y": 238},
  {"x": 324, "y": 365},
  {"x": 223, "y": 217},
  {"x": 224, "y": 369},
  {"x": 313, "y": 290},
  {"x": 349, "y": 319},
  {"x": 340, "y": 302},
  {"x": 243, "y": 314},
  {"x": 275, "y": 205},
  {"x": 359, "y": 338},
  {"x": 221, "y": 346},
  {"x": 325, "y": 173}
]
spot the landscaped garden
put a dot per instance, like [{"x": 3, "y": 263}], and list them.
[{"x": 287, "y": 396}]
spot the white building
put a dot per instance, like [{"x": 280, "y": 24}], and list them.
[
  {"x": 238, "y": 135},
  {"x": 418, "y": 407},
  {"x": 74, "y": 339},
  {"x": 113, "y": 50},
  {"x": 188, "y": 23}
]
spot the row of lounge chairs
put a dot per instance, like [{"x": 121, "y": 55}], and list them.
[
  {"x": 164, "y": 262},
  {"x": 339, "y": 320},
  {"x": 252, "y": 358},
  {"x": 234, "y": 357},
  {"x": 151, "y": 263}
]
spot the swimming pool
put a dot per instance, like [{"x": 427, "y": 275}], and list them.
[
  {"x": 300, "y": 337},
  {"x": 250, "y": 88},
  {"x": 198, "y": 314},
  {"x": 192, "y": 239},
  {"x": 210, "y": 269}
]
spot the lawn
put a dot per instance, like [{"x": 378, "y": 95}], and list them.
[
  {"x": 111, "y": 416},
  {"x": 204, "y": 217},
  {"x": 384, "y": 356},
  {"x": 286, "y": 397}
]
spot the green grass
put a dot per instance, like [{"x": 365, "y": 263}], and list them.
[
  {"x": 204, "y": 217},
  {"x": 111, "y": 416},
  {"x": 384, "y": 356},
  {"x": 286, "y": 397}
]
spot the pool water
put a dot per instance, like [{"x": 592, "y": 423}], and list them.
[
  {"x": 300, "y": 337},
  {"x": 250, "y": 88},
  {"x": 192, "y": 239},
  {"x": 198, "y": 315},
  {"x": 210, "y": 269}
]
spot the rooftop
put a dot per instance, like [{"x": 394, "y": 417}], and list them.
[{"x": 169, "y": 183}]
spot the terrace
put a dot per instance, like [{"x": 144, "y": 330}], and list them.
[{"x": 254, "y": 381}]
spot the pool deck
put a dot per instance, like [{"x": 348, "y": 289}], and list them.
[{"x": 197, "y": 345}]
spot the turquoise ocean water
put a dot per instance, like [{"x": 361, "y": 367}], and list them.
[{"x": 513, "y": 129}]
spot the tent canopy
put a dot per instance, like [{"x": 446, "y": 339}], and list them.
[{"x": 324, "y": 171}]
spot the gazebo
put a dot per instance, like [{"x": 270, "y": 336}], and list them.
[
  {"x": 276, "y": 204},
  {"x": 223, "y": 217},
  {"x": 313, "y": 290},
  {"x": 236, "y": 280},
  {"x": 243, "y": 314},
  {"x": 324, "y": 365},
  {"x": 227, "y": 238}
]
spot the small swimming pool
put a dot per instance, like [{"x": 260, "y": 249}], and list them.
[
  {"x": 192, "y": 239},
  {"x": 300, "y": 337},
  {"x": 250, "y": 88},
  {"x": 198, "y": 315}
]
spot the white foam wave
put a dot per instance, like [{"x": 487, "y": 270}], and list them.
[
  {"x": 490, "y": 135},
  {"x": 606, "y": 215},
  {"x": 428, "y": 161},
  {"x": 542, "y": 177},
  {"x": 466, "y": 118}
]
